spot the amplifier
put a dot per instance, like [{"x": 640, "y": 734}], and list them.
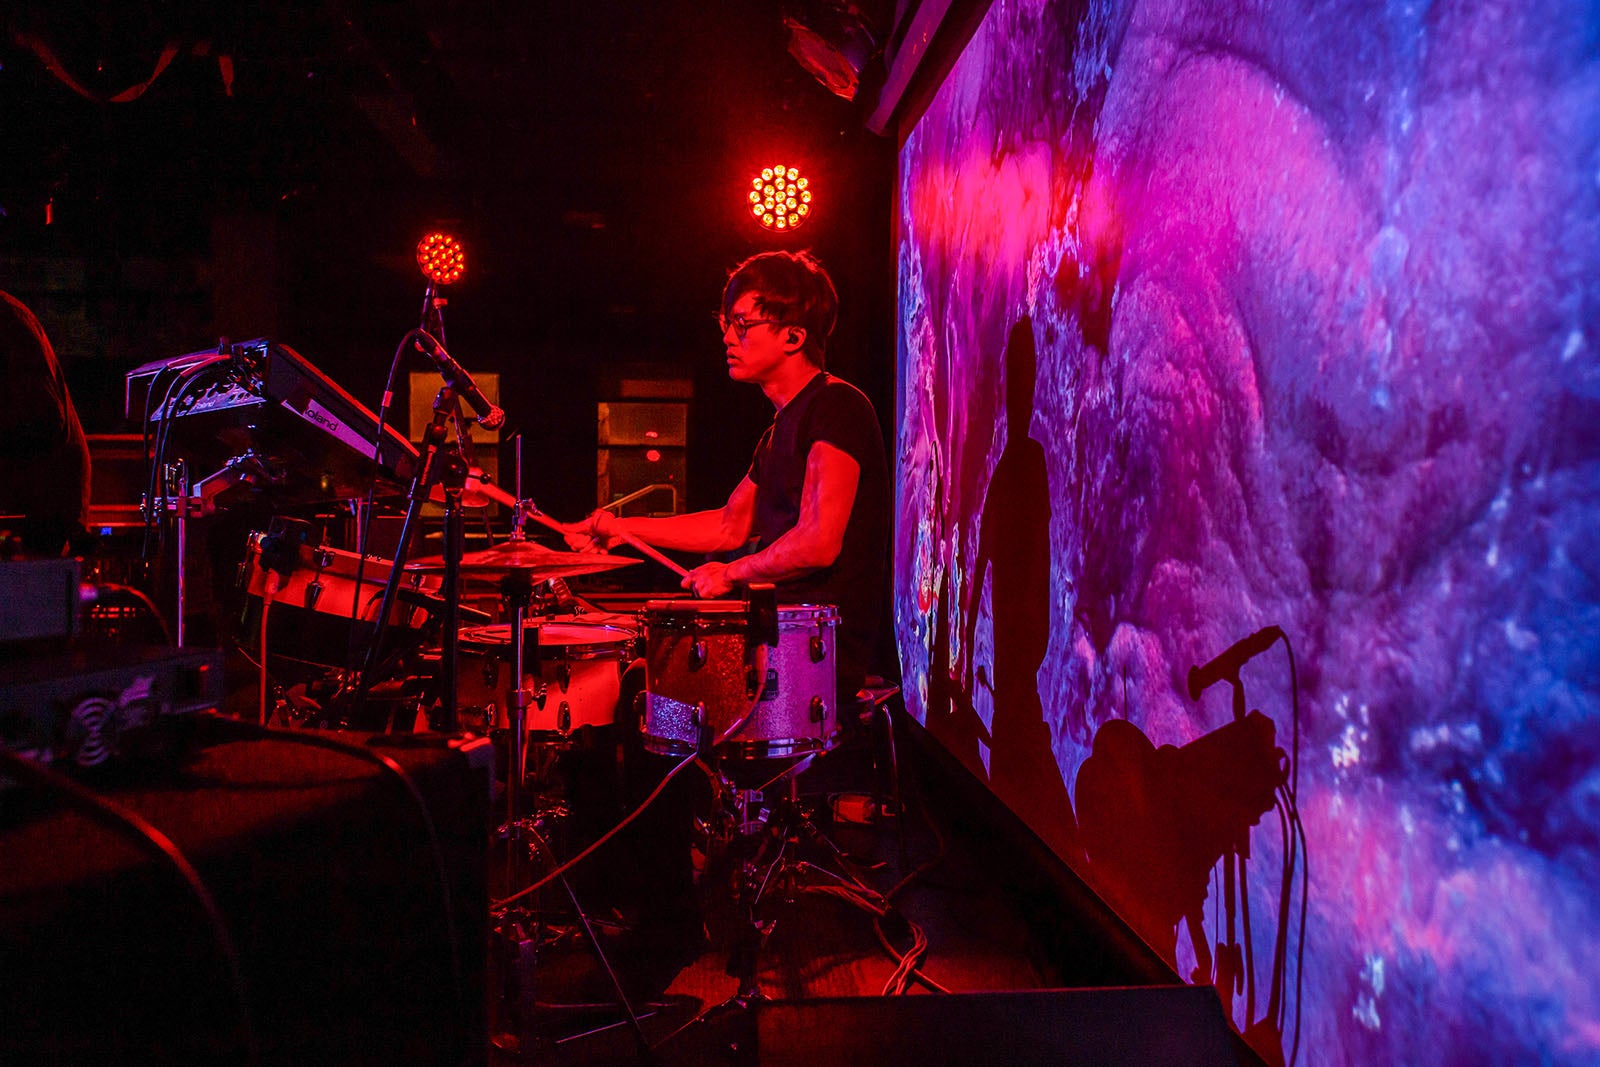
[{"x": 86, "y": 710}]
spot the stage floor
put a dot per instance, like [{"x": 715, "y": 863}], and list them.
[{"x": 819, "y": 945}]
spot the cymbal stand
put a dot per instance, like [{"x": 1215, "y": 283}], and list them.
[
  {"x": 517, "y": 590},
  {"x": 518, "y": 828}
]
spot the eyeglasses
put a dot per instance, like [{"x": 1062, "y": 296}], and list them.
[{"x": 742, "y": 325}]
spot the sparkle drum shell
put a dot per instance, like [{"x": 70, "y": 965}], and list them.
[{"x": 697, "y": 669}]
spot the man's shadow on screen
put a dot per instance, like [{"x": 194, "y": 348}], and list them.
[{"x": 1014, "y": 542}]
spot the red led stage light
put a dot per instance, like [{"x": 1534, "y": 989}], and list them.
[
  {"x": 441, "y": 258},
  {"x": 780, "y": 197}
]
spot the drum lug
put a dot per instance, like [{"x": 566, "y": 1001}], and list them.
[
  {"x": 324, "y": 558},
  {"x": 697, "y": 655},
  {"x": 564, "y": 718},
  {"x": 819, "y": 710},
  {"x": 313, "y": 594},
  {"x": 819, "y": 651},
  {"x": 540, "y": 695},
  {"x": 564, "y": 676}
]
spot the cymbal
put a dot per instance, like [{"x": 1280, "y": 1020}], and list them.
[{"x": 540, "y": 564}]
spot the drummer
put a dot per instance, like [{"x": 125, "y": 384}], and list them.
[{"x": 812, "y": 513}]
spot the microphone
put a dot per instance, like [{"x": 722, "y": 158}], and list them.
[
  {"x": 1226, "y": 666},
  {"x": 490, "y": 417}
]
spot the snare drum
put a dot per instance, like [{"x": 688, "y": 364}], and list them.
[
  {"x": 697, "y": 670},
  {"x": 311, "y": 611},
  {"x": 574, "y": 670}
]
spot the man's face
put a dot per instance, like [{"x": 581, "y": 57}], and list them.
[{"x": 762, "y": 350}]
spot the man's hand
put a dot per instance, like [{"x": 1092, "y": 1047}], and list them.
[
  {"x": 596, "y": 533},
  {"x": 709, "y": 581}
]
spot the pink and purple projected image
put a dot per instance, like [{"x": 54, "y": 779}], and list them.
[{"x": 1219, "y": 318}]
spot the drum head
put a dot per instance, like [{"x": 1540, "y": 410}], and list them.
[{"x": 574, "y": 640}]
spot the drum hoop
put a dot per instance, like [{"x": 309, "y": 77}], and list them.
[
  {"x": 618, "y": 648},
  {"x": 342, "y": 562},
  {"x": 726, "y": 619}
]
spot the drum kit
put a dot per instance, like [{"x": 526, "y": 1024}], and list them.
[
  {"x": 704, "y": 674},
  {"x": 739, "y": 687}
]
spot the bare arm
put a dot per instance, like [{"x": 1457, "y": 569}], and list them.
[
  {"x": 718, "y": 530},
  {"x": 826, "y": 500}
]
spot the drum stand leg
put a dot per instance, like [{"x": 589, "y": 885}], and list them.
[
  {"x": 513, "y": 921},
  {"x": 518, "y": 591},
  {"x": 744, "y": 957},
  {"x": 784, "y": 830}
]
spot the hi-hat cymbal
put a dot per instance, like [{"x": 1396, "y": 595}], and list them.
[{"x": 538, "y": 563}]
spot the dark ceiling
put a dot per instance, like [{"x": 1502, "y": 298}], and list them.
[{"x": 273, "y": 178}]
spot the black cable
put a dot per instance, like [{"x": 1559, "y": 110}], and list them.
[
  {"x": 182, "y": 385},
  {"x": 145, "y": 455},
  {"x": 1294, "y": 697},
  {"x": 647, "y": 801},
  {"x": 372, "y": 486},
  {"x": 140, "y": 597},
  {"x": 1300, "y": 949},
  {"x": 151, "y": 516},
  {"x": 399, "y": 773},
  {"x": 910, "y": 968},
  {"x": 1249, "y": 939},
  {"x": 151, "y": 839},
  {"x": 871, "y": 901},
  {"x": 165, "y": 408},
  {"x": 915, "y": 971},
  {"x": 922, "y": 869},
  {"x": 187, "y": 380},
  {"x": 1290, "y": 848},
  {"x": 607, "y": 836},
  {"x": 1300, "y": 830},
  {"x": 622, "y": 996}
]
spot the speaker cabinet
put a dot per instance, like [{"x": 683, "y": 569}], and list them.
[
  {"x": 1175, "y": 1026},
  {"x": 335, "y": 930}
]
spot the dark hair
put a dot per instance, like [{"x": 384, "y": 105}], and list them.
[{"x": 793, "y": 288}]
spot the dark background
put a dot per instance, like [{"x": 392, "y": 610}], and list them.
[{"x": 593, "y": 157}]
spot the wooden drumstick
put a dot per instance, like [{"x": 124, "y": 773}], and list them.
[
  {"x": 500, "y": 496},
  {"x": 682, "y": 572},
  {"x": 538, "y": 516}
]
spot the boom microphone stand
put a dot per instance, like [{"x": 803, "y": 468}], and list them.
[{"x": 444, "y": 467}]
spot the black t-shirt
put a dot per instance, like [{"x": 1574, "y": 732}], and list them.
[{"x": 829, "y": 409}]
